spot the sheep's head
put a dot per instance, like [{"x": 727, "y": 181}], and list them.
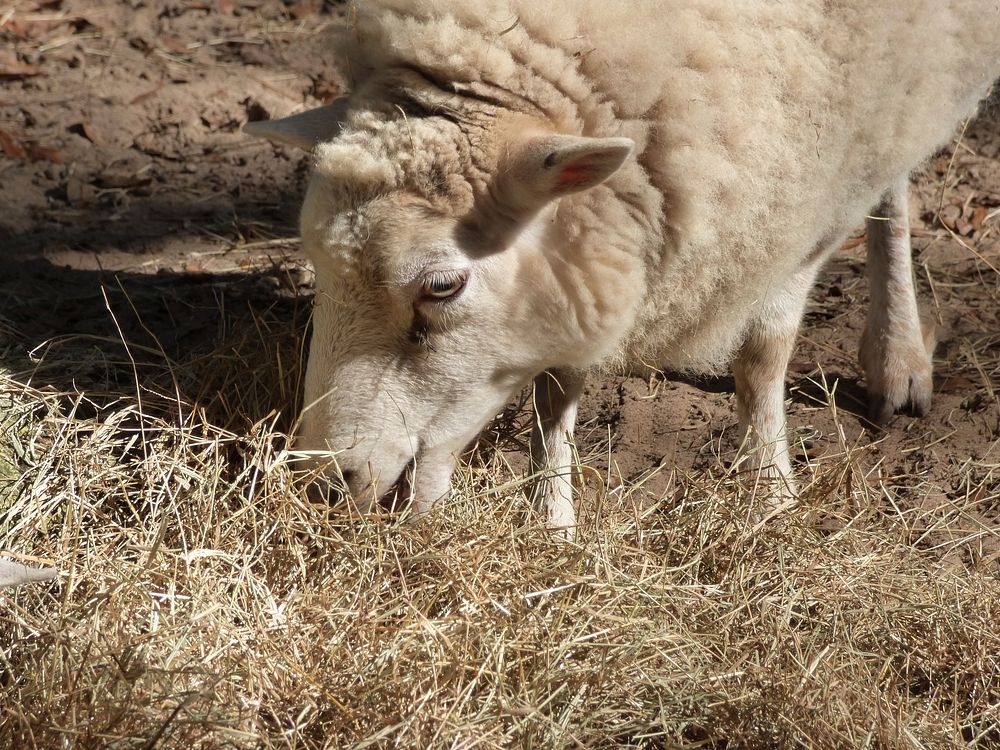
[{"x": 441, "y": 288}]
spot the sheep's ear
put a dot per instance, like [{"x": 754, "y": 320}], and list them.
[
  {"x": 303, "y": 130},
  {"x": 548, "y": 167},
  {"x": 13, "y": 573}
]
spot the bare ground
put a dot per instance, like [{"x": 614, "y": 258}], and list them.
[{"x": 152, "y": 308}]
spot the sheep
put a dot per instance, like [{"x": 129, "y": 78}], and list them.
[{"x": 518, "y": 192}]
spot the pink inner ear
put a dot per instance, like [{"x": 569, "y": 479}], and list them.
[{"x": 575, "y": 175}]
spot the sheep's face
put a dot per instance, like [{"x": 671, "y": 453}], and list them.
[
  {"x": 412, "y": 349},
  {"x": 428, "y": 319}
]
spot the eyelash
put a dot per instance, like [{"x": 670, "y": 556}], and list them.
[
  {"x": 420, "y": 331},
  {"x": 453, "y": 283}
]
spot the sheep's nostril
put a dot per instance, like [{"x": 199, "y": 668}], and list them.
[
  {"x": 347, "y": 477},
  {"x": 327, "y": 490},
  {"x": 318, "y": 492}
]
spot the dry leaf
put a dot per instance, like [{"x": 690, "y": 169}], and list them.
[
  {"x": 44, "y": 153},
  {"x": 326, "y": 91},
  {"x": 38, "y": 31},
  {"x": 949, "y": 216},
  {"x": 15, "y": 27},
  {"x": 86, "y": 129},
  {"x": 11, "y": 67},
  {"x": 174, "y": 44},
  {"x": 12, "y": 147},
  {"x": 304, "y": 8},
  {"x": 979, "y": 218},
  {"x": 147, "y": 95}
]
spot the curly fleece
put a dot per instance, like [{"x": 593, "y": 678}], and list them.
[{"x": 765, "y": 129}]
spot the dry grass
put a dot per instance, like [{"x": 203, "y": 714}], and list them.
[{"x": 205, "y": 603}]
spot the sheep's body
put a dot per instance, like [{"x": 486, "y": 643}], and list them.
[
  {"x": 765, "y": 130},
  {"x": 475, "y": 223}
]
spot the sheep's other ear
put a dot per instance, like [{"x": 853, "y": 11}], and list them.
[
  {"x": 551, "y": 166},
  {"x": 303, "y": 130},
  {"x": 13, "y": 573}
]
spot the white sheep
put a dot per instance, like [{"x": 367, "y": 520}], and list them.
[{"x": 522, "y": 190}]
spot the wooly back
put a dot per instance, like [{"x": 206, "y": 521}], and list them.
[{"x": 764, "y": 130}]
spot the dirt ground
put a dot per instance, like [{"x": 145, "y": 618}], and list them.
[
  {"x": 148, "y": 257},
  {"x": 133, "y": 207}
]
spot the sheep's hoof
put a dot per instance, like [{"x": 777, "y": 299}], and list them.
[
  {"x": 902, "y": 389},
  {"x": 553, "y": 498},
  {"x": 775, "y": 489},
  {"x": 899, "y": 375},
  {"x": 914, "y": 396}
]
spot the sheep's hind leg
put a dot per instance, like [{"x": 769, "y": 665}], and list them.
[
  {"x": 895, "y": 352},
  {"x": 556, "y": 396},
  {"x": 759, "y": 371}
]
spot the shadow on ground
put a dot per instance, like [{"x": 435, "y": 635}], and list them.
[{"x": 227, "y": 344}]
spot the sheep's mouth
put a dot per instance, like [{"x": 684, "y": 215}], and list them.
[
  {"x": 397, "y": 497},
  {"x": 334, "y": 490}
]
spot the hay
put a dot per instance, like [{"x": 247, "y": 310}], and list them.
[{"x": 205, "y": 602}]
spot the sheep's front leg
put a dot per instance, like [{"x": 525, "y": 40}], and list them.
[
  {"x": 895, "y": 353},
  {"x": 556, "y": 395},
  {"x": 431, "y": 481},
  {"x": 759, "y": 371}
]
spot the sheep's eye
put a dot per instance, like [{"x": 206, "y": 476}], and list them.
[{"x": 442, "y": 286}]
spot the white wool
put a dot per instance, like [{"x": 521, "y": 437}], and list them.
[{"x": 765, "y": 129}]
